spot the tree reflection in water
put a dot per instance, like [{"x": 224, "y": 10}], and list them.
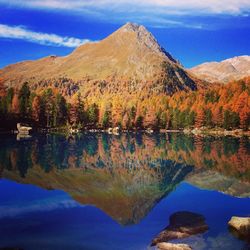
[{"x": 127, "y": 175}]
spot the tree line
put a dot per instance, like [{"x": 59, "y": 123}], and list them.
[{"x": 223, "y": 106}]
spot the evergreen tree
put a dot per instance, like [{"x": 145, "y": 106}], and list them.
[
  {"x": 24, "y": 95},
  {"x": 106, "y": 120},
  {"x": 190, "y": 119},
  {"x": 9, "y": 98},
  {"x": 60, "y": 111},
  {"x": 208, "y": 118},
  {"x": 47, "y": 108},
  {"x": 139, "y": 122},
  {"x": 93, "y": 114},
  {"x": 231, "y": 120},
  {"x": 132, "y": 115},
  {"x": 162, "y": 119},
  {"x": 81, "y": 118}
]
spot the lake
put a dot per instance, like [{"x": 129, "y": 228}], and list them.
[{"x": 100, "y": 191}]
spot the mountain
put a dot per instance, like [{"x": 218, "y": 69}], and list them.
[
  {"x": 130, "y": 60},
  {"x": 231, "y": 69},
  {"x": 213, "y": 180},
  {"x": 132, "y": 193}
]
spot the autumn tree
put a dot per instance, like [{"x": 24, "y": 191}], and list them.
[
  {"x": 217, "y": 116},
  {"x": 72, "y": 116},
  {"x": 200, "y": 118},
  {"x": 15, "y": 104},
  {"x": 244, "y": 116},
  {"x": 117, "y": 113},
  {"x": 150, "y": 119},
  {"x": 36, "y": 108},
  {"x": 126, "y": 121}
]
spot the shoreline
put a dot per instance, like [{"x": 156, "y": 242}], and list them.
[
  {"x": 218, "y": 132},
  {"x": 196, "y": 131}
]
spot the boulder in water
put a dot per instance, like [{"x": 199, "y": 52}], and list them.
[
  {"x": 240, "y": 227},
  {"x": 182, "y": 224}
]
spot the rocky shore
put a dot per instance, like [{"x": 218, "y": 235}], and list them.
[{"x": 217, "y": 132}]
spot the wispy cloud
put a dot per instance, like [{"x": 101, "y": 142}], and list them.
[
  {"x": 181, "y": 7},
  {"x": 20, "y": 32},
  {"x": 13, "y": 209},
  {"x": 157, "y": 13}
]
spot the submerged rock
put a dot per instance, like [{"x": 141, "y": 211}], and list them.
[
  {"x": 171, "y": 246},
  {"x": 182, "y": 224},
  {"x": 240, "y": 227}
]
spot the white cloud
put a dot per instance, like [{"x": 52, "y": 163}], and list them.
[
  {"x": 16, "y": 208},
  {"x": 181, "y": 7},
  {"x": 20, "y": 32}
]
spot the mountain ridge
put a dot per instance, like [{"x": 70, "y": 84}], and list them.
[
  {"x": 129, "y": 55},
  {"x": 224, "y": 71}
]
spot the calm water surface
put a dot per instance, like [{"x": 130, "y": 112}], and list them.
[{"x": 99, "y": 191}]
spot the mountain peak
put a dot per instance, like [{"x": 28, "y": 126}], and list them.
[
  {"x": 230, "y": 69},
  {"x": 139, "y": 30},
  {"x": 130, "y": 27},
  {"x": 131, "y": 56},
  {"x": 143, "y": 37},
  {"x": 134, "y": 27}
]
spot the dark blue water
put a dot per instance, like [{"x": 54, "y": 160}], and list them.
[{"x": 117, "y": 192}]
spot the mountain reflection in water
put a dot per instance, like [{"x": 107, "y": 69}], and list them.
[{"x": 126, "y": 175}]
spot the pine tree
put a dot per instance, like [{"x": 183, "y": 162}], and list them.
[
  {"x": 208, "y": 118},
  {"x": 24, "y": 95},
  {"x": 106, "y": 120},
  {"x": 9, "y": 98},
  {"x": 47, "y": 108},
  {"x": 93, "y": 114},
  {"x": 81, "y": 118}
]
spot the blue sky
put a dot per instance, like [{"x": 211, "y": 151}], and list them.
[{"x": 192, "y": 31}]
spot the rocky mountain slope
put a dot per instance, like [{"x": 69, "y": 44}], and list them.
[
  {"x": 231, "y": 69},
  {"x": 212, "y": 180},
  {"x": 130, "y": 60}
]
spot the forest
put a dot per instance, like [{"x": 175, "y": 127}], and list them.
[{"x": 221, "y": 106}]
